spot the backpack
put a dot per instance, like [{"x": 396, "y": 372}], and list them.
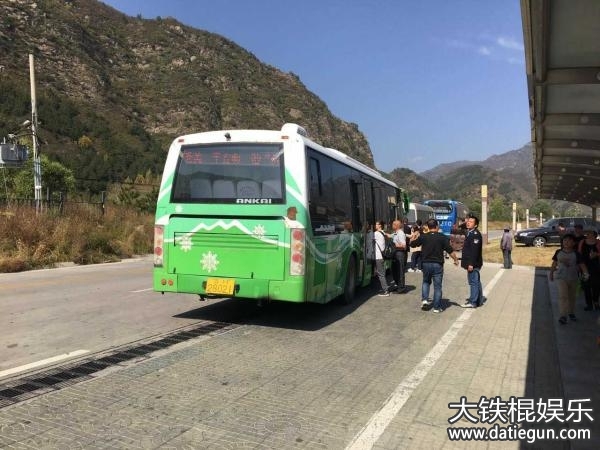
[{"x": 389, "y": 250}]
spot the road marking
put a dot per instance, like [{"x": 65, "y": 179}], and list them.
[
  {"x": 141, "y": 290},
  {"x": 43, "y": 362},
  {"x": 372, "y": 431}
]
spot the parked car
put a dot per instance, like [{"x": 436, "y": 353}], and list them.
[{"x": 547, "y": 232}]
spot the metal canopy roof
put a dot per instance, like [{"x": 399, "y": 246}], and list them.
[{"x": 562, "y": 53}]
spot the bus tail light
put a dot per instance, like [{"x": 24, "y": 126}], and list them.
[
  {"x": 159, "y": 242},
  {"x": 297, "y": 251}
]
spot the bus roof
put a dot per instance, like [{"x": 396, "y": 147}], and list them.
[{"x": 446, "y": 201}]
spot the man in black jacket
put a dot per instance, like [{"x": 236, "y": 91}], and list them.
[
  {"x": 433, "y": 245},
  {"x": 472, "y": 260}
]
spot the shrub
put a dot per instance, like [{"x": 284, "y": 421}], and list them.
[{"x": 81, "y": 235}]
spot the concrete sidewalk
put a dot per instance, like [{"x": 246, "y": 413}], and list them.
[
  {"x": 578, "y": 346},
  {"x": 512, "y": 346}
]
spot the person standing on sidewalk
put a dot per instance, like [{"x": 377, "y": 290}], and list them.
[
  {"x": 579, "y": 234},
  {"x": 433, "y": 245},
  {"x": 564, "y": 271},
  {"x": 415, "y": 253},
  {"x": 407, "y": 231},
  {"x": 589, "y": 249},
  {"x": 379, "y": 237},
  {"x": 398, "y": 261},
  {"x": 472, "y": 261},
  {"x": 506, "y": 246}
]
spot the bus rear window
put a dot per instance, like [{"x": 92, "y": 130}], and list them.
[
  {"x": 229, "y": 173},
  {"x": 440, "y": 207}
]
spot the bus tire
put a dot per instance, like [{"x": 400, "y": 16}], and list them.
[{"x": 350, "y": 282}]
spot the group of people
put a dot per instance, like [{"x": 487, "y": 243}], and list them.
[
  {"x": 431, "y": 245},
  {"x": 401, "y": 236},
  {"x": 576, "y": 263}
]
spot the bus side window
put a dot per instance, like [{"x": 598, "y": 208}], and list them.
[{"x": 315, "y": 178}]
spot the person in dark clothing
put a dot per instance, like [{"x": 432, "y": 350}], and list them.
[
  {"x": 399, "y": 259},
  {"x": 472, "y": 261},
  {"x": 415, "y": 253},
  {"x": 433, "y": 245},
  {"x": 407, "y": 230},
  {"x": 578, "y": 233},
  {"x": 589, "y": 249}
]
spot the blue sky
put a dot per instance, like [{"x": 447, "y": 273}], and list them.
[{"x": 427, "y": 82}]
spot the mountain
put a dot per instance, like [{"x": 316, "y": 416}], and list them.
[
  {"x": 517, "y": 161},
  {"x": 114, "y": 90},
  {"x": 509, "y": 175},
  {"x": 419, "y": 188},
  {"x": 514, "y": 161}
]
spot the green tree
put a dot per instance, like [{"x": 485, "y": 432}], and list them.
[
  {"x": 499, "y": 209},
  {"x": 541, "y": 206},
  {"x": 474, "y": 206},
  {"x": 55, "y": 178}
]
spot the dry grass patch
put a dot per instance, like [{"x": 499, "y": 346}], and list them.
[
  {"x": 82, "y": 235},
  {"x": 521, "y": 255}
]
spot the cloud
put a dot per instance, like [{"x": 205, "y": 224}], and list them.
[
  {"x": 496, "y": 48},
  {"x": 455, "y": 43},
  {"x": 514, "y": 60},
  {"x": 509, "y": 43}
]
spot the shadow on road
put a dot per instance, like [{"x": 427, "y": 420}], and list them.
[{"x": 299, "y": 316}]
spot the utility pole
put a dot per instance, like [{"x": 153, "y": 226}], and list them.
[
  {"x": 37, "y": 167},
  {"x": 483, "y": 229},
  {"x": 514, "y": 216}
]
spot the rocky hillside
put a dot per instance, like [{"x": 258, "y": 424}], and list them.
[
  {"x": 113, "y": 90},
  {"x": 512, "y": 162}
]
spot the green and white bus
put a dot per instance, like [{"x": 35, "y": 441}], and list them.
[{"x": 221, "y": 224}]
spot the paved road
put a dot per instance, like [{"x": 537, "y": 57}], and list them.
[
  {"x": 379, "y": 373},
  {"x": 46, "y": 313}
]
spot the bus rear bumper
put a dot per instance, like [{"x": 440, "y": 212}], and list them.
[{"x": 289, "y": 290}]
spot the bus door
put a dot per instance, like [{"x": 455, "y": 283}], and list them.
[
  {"x": 368, "y": 220},
  {"x": 322, "y": 230},
  {"x": 358, "y": 223}
]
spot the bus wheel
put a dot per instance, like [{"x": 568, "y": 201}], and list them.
[{"x": 350, "y": 283}]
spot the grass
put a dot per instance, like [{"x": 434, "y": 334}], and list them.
[
  {"x": 521, "y": 255},
  {"x": 82, "y": 235}
]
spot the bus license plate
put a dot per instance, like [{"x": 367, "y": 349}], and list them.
[{"x": 223, "y": 286}]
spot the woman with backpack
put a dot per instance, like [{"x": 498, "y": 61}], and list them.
[{"x": 381, "y": 238}]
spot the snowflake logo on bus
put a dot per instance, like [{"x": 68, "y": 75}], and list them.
[
  {"x": 259, "y": 231},
  {"x": 178, "y": 209},
  {"x": 209, "y": 261},
  {"x": 186, "y": 243}
]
